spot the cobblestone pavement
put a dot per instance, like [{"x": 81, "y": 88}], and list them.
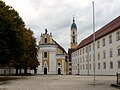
[{"x": 60, "y": 82}]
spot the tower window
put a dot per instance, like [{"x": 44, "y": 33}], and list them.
[
  {"x": 73, "y": 32},
  {"x": 59, "y": 64},
  {"x": 73, "y": 39},
  {"x": 45, "y": 54},
  {"x": 45, "y": 40}
]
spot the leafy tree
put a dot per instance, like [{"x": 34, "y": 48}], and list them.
[
  {"x": 17, "y": 44},
  {"x": 10, "y": 24}
]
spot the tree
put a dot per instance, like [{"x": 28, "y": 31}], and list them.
[
  {"x": 17, "y": 44},
  {"x": 10, "y": 24},
  {"x": 30, "y": 60}
]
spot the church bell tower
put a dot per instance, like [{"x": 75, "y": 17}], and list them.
[{"x": 73, "y": 43}]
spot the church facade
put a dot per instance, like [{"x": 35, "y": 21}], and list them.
[{"x": 52, "y": 57}]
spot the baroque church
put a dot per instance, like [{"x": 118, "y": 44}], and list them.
[{"x": 52, "y": 57}]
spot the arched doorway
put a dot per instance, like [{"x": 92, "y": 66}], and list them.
[
  {"x": 59, "y": 71},
  {"x": 45, "y": 70}
]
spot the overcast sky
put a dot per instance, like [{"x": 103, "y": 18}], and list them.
[{"x": 56, "y": 16}]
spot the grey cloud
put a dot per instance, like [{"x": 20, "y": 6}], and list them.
[{"x": 56, "y": 16}]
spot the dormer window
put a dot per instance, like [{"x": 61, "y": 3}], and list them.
[{"x": 45, "y": 41}]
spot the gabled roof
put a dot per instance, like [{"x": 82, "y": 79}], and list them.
[
  {"x": 110, "y": 27},
  {"x": 60, "y": 47}
]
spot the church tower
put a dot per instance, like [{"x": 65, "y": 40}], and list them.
[{"x": 73, "y": 43}]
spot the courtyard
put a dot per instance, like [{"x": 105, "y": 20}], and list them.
[{"x": 59, "y": 82}]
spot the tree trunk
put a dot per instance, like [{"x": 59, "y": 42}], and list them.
[
  {"x": 25, "y": 71},
  {"x": 35, "y": 71},
  {"x": 16, "y": 71},
  {"x": 20, "y": 71}
]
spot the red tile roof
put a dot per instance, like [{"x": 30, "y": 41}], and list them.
[{"x": 110, "y": 27}]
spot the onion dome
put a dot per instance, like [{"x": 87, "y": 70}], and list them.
[{"x": 73, "y": 24}]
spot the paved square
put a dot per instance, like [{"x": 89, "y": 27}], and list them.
[{"x": 60, "y": 82}]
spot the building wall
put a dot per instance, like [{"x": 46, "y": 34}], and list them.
[
  {"x": 55, "y": 54},
  {"x": 50, "y": 61},
  {"x": 10, "y": 71},
  {"x": 53, "y": 61},
  {"x": 82, "y": 59},
  {"x": 63, "y": 64}
]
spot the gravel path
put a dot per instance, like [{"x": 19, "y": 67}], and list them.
[{"x": 60, "y": 82}]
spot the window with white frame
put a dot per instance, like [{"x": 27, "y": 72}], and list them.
[
  {"x": 103, "y": 41},
  {"x": 93, "y": 46},
  {"x": 111, "y": 53},
  {"x": 98, "y": 44},
  {"x": 83, "y": 58},
  {"x": 104, "y": 54},
  {"x": 111, "y": 65},
  {"x": 90, "y": 57},
  {"x": 90, "y": 66},
  {"x": 86, "y": 49},
  {"x": 98, "y": 65},
  {"x": 89, "y": 47},
  {"x": 86, "y": 66},
  {"x": 80, "y": 51},
  {"x": 118, "y": 51},
  {"x": 76, "y": 61},
  {"x": 86, "y": 58},
  {"x": 83, "y": 50},
  {"x": 98, "y": 56},
  {"x": 104, "y": 65},
  {"x": 118, "y": 35},
  {"x": 80, "y": 59},
  {"x": 83, "y": 67},
  {"x": 110, "y": 39},
  {"x": 118, "y": 64}
]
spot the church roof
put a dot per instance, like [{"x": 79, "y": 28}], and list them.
[
  {"x": 73, "y": 24},
  {"x": 110, "y": 27},
  {"x": 60, "y": 47}
]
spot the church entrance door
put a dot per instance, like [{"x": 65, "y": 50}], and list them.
[
  {"x": 59, "y": 71},
  {"x": 45, "y": 70}
]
